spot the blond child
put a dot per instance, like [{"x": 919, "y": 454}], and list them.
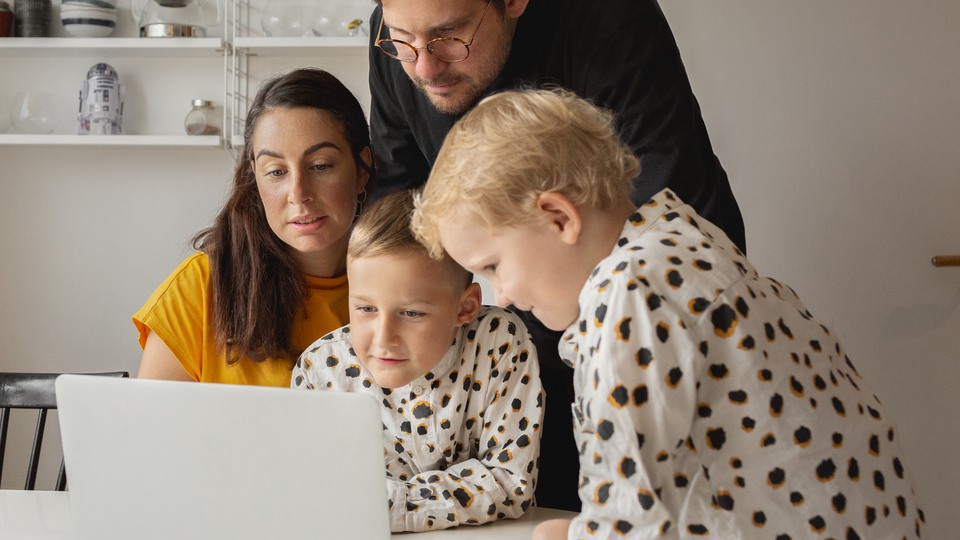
[
  {"x": 459, "y": 382},
  {"x": 710, "y": 402}
]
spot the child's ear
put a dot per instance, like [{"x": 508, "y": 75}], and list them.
[
  {"x": 469, "y": 304},
  {"x": 561, "y": 215}
]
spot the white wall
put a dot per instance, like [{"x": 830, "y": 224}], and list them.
[
  {"x": 87, "y": 236},
  {"x": 839, "y": 124}
]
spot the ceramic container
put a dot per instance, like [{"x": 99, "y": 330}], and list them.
[{"x": 83, "y": 19}]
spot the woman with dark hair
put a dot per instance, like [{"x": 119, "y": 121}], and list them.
[{"x": 269, "y": 276}]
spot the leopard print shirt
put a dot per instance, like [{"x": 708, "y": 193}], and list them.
[
  {"x": 460, "y": 442},
  {"x": 711, "y": 403}
]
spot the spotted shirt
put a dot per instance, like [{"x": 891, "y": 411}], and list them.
[
  {"x": 711, "y": 403},
  {"x": 461, "y": 442}
]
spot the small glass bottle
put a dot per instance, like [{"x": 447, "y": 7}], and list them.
[{"x": 202, "y": 119}]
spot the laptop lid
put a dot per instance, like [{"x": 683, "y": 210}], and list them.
[{"x": 160, "y": 459}]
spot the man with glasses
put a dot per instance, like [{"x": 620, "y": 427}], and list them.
[{"x": 432, "y": 60}]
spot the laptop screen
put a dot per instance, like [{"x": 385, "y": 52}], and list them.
[{"x": 160, "y": 459}]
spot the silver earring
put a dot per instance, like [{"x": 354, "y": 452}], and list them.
[{"x": 361, "y": 198}]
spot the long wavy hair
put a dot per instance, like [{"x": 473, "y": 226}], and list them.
[{"x": 257, "y": 286}]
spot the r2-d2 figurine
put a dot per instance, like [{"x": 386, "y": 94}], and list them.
[{"x": 101, "y": 102}]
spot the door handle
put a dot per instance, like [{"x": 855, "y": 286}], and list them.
[{"x": 945, "y": 260}]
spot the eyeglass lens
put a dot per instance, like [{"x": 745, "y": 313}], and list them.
[{"x": 446, "y": 49}]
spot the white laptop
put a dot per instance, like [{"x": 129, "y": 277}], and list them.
[{"x": 173, "y": 460}]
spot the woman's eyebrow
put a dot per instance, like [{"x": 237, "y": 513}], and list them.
[
  {"x": 318, "y": 146},
  {"x": 307, "y": 152}
]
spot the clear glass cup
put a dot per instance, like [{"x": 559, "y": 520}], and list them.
[
  {"x": 342, "y": 18},
  {"x": 34, "y": 112},
  {"x": 286, "y": 18}
]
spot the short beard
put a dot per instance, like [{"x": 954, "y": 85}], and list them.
[
  {"x": 455, "y": 107},
  {"x": 476, "y": 87}
]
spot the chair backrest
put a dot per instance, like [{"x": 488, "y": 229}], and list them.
[{"x": 33, "y": 391}]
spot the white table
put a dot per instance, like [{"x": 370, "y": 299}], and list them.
[{"x": 46, "y": 515}]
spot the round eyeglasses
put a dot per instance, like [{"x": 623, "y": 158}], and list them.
[{"x": 448, "y": 49}]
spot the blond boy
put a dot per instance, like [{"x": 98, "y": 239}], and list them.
[
  {"x": 710, "y": 402},
  {"x": 459, "y": 382}
]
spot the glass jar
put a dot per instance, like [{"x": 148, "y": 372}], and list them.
[{"x": 202, "y": 119}]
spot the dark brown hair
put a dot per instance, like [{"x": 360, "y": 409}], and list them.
[
  {"x": 499, "y": 5},
  {"x": 257, "y": 286}
]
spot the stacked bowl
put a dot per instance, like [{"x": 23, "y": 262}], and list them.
[{"x": 89, "y": 18}]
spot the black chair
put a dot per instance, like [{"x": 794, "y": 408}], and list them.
[{"x": 33, "y": 391}]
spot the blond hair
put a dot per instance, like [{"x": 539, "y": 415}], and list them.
[
  {"x": 384, "y": 229},
  {"x": 515, "y": 145}
]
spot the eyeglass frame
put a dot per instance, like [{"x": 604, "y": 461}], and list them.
[{"x": 416, "y": 50}]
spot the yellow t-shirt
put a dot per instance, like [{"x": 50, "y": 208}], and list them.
[{"x": 179, "y": 312}]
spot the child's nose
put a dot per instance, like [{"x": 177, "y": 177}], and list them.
[
  {"x": 501, "y": 298},
  {"x": 386, "y": 333}
]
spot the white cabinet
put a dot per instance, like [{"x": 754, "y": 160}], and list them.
[
  {"x": 163, "y": 75},
  {"x": 58, "y": 65},
  {"x": 256, "y": 57}
]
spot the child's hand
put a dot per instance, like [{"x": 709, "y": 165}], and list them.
[{"x": 554, "y": 529}]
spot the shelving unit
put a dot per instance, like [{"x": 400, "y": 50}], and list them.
[
  {"x": 301, "y": 46},
  {"x": 246, "y": 47},
  {"x": 120, "y": 46},
  {"x": 247, "y": 42},
  {"x": 141, "y": 141},
  {"x": 240, "y": 43},
  {"x": 114, "y": 47}
]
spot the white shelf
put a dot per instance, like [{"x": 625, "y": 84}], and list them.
[
  {"x": 147, "y": 47},
  {"x": 58, "y": 48},
  {"x": 303, "y": 46},
  {"x": 142, "y": 141}
]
